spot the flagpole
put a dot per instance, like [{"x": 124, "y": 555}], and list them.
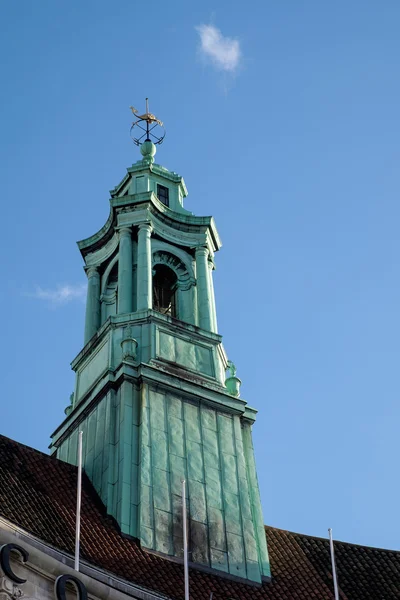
[
  {"x": 335, "y": 585},
  {"x": 78, "y": 503},
  {"x": 185, "y": 543}
]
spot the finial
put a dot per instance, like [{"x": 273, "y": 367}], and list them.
[
  {"x": 129, "y": 346},
  {"x": 232, "y": 383},
  {"x": 147, "y": 128},
  {"x": 232, "y": 368},
  {"x": 70, "y": 406}
]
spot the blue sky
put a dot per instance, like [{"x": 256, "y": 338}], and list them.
[{"x": 283, "y": 117}]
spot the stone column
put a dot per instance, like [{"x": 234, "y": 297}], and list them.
[
  {"x": 203, "y": 288},
  {"x": 92, "y": 321},
  {"x": 212, "y": 298},
  {"x": 125, "y": 271},
  {"x": 144, "y": 268}
]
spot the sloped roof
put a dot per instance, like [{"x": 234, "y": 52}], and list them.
[{"x": 37, "y": 493}]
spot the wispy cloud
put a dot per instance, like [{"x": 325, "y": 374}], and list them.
[
  {"x": 222, "y": 52},
  {"x": 61, "y": 294}
]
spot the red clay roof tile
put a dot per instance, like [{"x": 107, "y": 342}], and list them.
[{"x": 37, "y": 493}]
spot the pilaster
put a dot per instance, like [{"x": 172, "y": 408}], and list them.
[
  {"x": 125, "y": 271},
  {"x": 92, "y": 320},
  {"x": 214, "y": 327},
  {"x": 203, "y": 288},
  {"x": 144, "y": 270}
]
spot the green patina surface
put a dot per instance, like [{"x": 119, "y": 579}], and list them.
[
  {"x": 151, "y": 394},
  {"x": 139, "y": 443}
]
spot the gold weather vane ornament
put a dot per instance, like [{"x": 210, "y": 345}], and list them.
[{"x": 152, "y": 128}]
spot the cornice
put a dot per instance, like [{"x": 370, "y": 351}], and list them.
[
  {"x": 156, "y": 169},
  {"x": 170, "y": 223},
  {"x": 191, "y": 385},
  {"x": 176, "y": 236},
  {"x": 46, "y": 560},
  {"x": 92, "y": 344},
  {"x": 250, "y": 413},
  {"x": 141, "y": 317},
  {"x": 186, "y": 218},
  {"x": 97, "y": 256},
  {"x": 89, "y": 244},
  {"x": 120, "y": 185}
]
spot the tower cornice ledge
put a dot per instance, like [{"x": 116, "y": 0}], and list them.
[
  {"x": 100, "y": 237},
  {"x": 159, "y": 208},
  {"x": 128, "y": 210},
  {"x": 139, "y": 318},
  {"x": 192, "y": 389},
  {"x": 156, "y": 169}
]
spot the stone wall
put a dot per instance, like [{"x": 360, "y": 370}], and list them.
[{"x": 45, "y": 564}]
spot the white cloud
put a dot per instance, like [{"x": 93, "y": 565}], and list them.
[
  {"x": 61, "y": 294},
  {"x": 223, "y": 52}
]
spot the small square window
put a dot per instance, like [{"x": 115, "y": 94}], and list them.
[{"x": 163, "y": 194}]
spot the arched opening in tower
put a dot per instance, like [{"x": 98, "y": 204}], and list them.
[{"x": 164, "y": 290}]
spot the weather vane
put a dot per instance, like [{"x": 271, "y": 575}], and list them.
[{"x": 152, "y": 128}]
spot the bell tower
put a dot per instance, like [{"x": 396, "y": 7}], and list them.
[{"x": 151, "y": 395}]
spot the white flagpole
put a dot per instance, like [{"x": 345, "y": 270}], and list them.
[
  {"x": 185, "y": 542},
  {"x": 78, "y": 503},
  {"x": 335, "y": 585}
]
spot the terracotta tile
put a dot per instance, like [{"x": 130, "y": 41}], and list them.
[{"x": 37, "y": 493}]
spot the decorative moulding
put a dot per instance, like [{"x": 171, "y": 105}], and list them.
[
  {"x": 129, "y": 346},
  {"x": 8, "y": 590},
  {"x": 165, "y": 257}
]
